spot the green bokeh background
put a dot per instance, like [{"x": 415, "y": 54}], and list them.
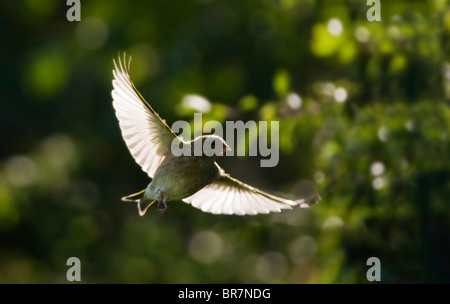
[{"x": 364, "y": 119}]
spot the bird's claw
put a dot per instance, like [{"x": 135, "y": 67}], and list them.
[{"x": 161, "y": 213}]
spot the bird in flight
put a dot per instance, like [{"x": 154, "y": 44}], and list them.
[{"x": 196, "y": 180}]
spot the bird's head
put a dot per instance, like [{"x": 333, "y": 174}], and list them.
[{"x": 209, "y": 146}]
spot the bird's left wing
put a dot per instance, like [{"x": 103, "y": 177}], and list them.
[
  {"x": 147, "y": 136},
  {"x": 227, "y": 195}
]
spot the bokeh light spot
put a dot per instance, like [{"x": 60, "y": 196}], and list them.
[
  {"x": 362, "y": 34},
  {"x": 383, "y": 134},
  {"x": 378, "y": 183},
  {"x": 196, "y": 102},
  {"x": 340, "y": 95},
  {"x": 20, "y": 171},
  {"x": 91, "y": 33},
  {"x": 271, "y": 267},
  {"x": 294, "y": 101},
  {"x": 302, "y": 249},
  {"x": 205, "y": 246},
  {"x": 377, "y": 168},
  {"x": 333, "y": 223},
  {"x": 335, "y": 27},
  {"x": 48, "y": 73}
]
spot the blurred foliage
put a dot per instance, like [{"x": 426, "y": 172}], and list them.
[{"x": 364, "y": 117}]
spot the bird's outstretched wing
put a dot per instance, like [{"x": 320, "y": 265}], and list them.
[
  {"x": 147, "y": 136},
  {"x": 227, "y": 195}
]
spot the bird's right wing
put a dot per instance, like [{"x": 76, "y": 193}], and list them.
[
  {"x": 227, "y": 195},
  {"x": 147, "y": 136}
]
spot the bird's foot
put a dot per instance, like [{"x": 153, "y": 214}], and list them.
[
  {"x": 162, "y": 212},
  {"x": 161, "y": 197}
]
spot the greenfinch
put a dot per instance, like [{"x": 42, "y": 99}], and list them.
[{"x": 197, "y": 180}]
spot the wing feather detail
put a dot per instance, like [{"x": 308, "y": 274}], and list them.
[
  {"x": 227, "y": 195},
  {"x": 146, "y": 135}
]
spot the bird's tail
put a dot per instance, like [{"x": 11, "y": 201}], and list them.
[
  {"x": 134, "y": 198},
  {"x": 306, "y": 202},
  {"x": 138, "y": 198}
]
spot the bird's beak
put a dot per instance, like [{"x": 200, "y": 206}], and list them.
[{"x": 226, "y": 148}]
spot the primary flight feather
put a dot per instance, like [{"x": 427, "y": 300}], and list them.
[{"x": 197, "y": 180}]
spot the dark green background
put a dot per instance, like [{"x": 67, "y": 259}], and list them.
[{"x": 64, "y": 166}]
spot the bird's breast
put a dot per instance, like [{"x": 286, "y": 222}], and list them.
[{"x": 180, "y": 177}]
